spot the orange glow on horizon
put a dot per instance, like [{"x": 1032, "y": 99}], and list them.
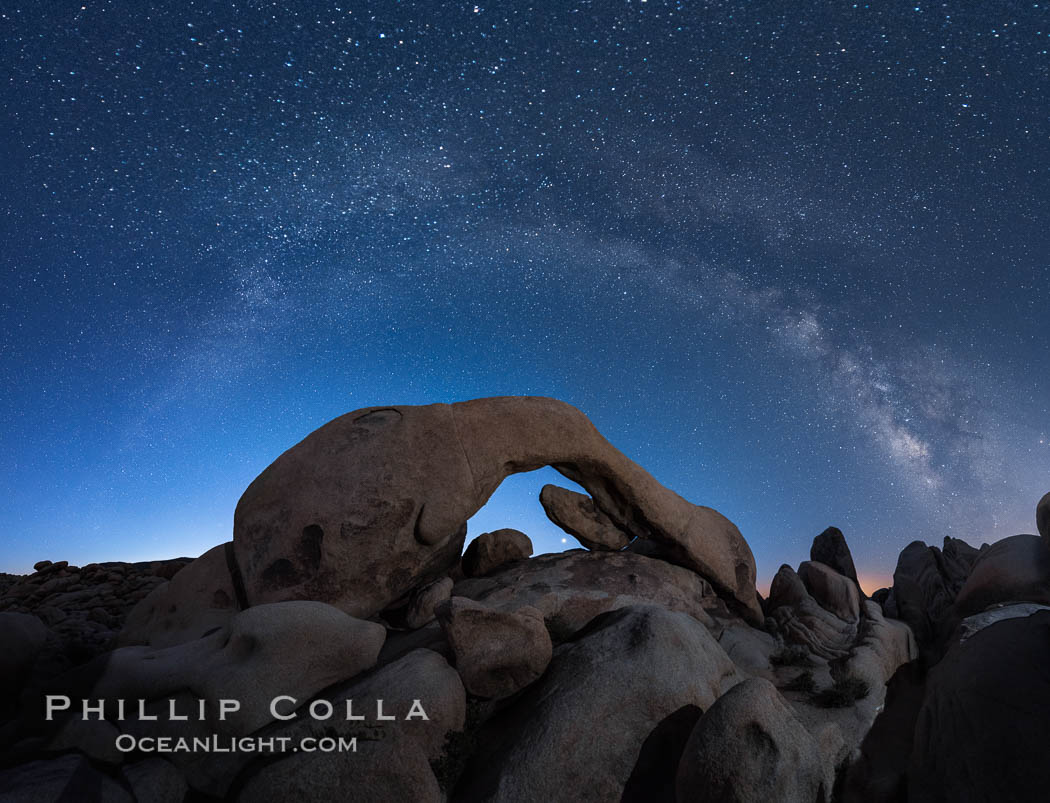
[{"x": 869, "y": 582}]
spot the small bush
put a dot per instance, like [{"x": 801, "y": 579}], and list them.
[
  {"x": 843, "y": 693},
  {"x": 791, "y": 655},
  {"x": 803, "y": 682},
  {"x": 459, "y": 747}
]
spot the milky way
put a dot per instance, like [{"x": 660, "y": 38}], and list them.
[{"x": 791, "y": 258}]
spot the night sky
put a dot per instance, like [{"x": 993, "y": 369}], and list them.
[{"x": 790, "y": 257}]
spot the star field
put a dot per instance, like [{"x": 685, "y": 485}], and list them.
[{"x": 791, "y": 258}]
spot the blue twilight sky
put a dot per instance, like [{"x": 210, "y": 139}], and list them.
[{"x": 790, "y": 257}]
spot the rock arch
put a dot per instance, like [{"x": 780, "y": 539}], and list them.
[{"x": 383, "y": 494}]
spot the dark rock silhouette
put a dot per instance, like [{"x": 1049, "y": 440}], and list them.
[
  {"x": 878, "y": 773},
  {"x": 1012, "y": 570},
  {"x": 831, "y": 549},
  {"x": 925, "y": 584},
  {"x": 982, "y": 732},
  {"x": 490, "y": 551}
]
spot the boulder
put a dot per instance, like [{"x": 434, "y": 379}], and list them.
[
  {"x": 750, "y": 747},
  {"x": 748, "y": 647},
  {"x": 626, "y": 675},
  {"x": 786, "y": 589},
  {"x": 210, "y": 773},
  {"x": 1015, "y": 569},
  {"x": 304, "y": 648},
  {"x": 571, "y": 588},
  {"x": 881, "y": 648},
  {"x": 420, "y": 676},
  {"x": 831, "y": 549},
  {"x": 876, "y": 772},
  {"x": 155, "y": 780},
  {"x": 293, "y": 648},
  {"x": 1042, "y": 517},
  {"x": 920, "y": 597},
  {"x": 377, "y": 772},
  {"x": 799, "y": 619},
  {"x": 958, "y": 558},
  {"x": 23, "y": 637},
  {"x": 653, "y": 778},
  {"x": 68, "y": 777},
  {"x": 360, "y": 512},
  {"x": 197, "y": 599},
  {"x": 95, "y": 738},
  {"x": 424, "y": 600},
  {"x": 577, "y": 514},
  {"x": 497, "y": 653},
  {"x": 925, "y": 584},
  {"x": 833, "y": 591},
  {"x": 981, "y": 733},
  {"x": 374, "y": 503},
  {"x": 491, "y": 551},
  {"x": 166, "y": 569}
]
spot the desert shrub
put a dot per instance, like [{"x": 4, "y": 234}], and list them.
[
  {"x": 803, "y": 682},
  {"x": 458, "y": 748},
  {"x": 843, "y": 693}
]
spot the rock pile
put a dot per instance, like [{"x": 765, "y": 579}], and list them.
[
  {"x": 925, "y": 584},
  {"x": 967, "y": 722},
  {"x": 643, "y": 667},
  {"x": 84, "y": 607}
]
